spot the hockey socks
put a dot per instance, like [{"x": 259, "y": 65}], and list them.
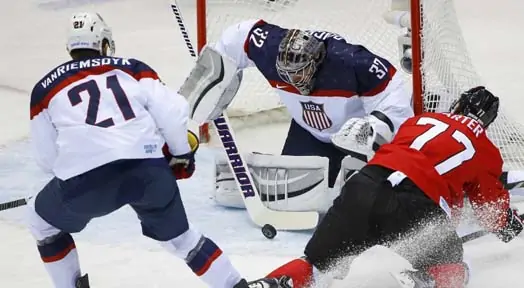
[
  {"x": 60, "y": 259},
  {"x": 449, "y": 275},
  {"x": 299, "y": 270},
  {"x": 204, "y": 258}
]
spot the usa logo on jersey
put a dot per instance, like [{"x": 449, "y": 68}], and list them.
[{"x": 314, "y": 115}]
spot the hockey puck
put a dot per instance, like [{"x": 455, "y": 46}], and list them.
[{"x": 269, "y": 231}]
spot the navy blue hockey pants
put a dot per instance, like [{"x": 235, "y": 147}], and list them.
[
  {"x": 300, "y": 142},
  {"x": 147, "y": 185}
]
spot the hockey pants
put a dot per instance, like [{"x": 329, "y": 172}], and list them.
[
  {"x": 147, "y": 185},
  {"x": 370, "y": 211}
]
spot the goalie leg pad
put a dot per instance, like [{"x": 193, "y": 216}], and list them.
[
  {"x": 226, "y": 192},
  {"x": 300, "y": 142},
  {"x": 512, "y": 179},
  {"x": 285, "y": 183},
  {"x": 348, "y": 167}
]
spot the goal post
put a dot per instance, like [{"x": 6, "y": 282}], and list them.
[
  {"x": 201, "y": 22},
  {"x": 416, "y": 30},
  {"x": 441, "y": 66}
]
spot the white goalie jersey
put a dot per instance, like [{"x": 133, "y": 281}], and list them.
[{"x": 352, "y": 82}]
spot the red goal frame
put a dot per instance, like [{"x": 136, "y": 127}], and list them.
[{"x": 201, "y": 42}]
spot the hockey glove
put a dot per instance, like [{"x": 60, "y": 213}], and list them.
[
  {"x": 362, "y": 135},
  {"x": 513, "y": 227},
  {"x": 183, "y": 166}
]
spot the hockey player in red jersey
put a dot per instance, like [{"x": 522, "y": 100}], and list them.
[{"x": 419, "y": 180}]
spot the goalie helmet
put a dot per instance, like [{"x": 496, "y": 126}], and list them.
[
  {"x": 477, "y": 103},
  {"x": 299, "y": 55},
  {"x": 90, "y": 31}
]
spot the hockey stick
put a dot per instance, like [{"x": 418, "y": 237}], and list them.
[
  {"x": 14, "y": 203},
  {"x": 472, "y": 236},
  {"x": 259, "y": 214},
  {"x": 477, "y": 234}
]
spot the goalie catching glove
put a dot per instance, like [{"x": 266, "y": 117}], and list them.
[
  {"x": 183, "y": 165},
  {"x": 364, "y": 135},
  {"x": 513, "y": 227}
]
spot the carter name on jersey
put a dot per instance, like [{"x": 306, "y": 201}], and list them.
[{"x": 472, "y": 124}]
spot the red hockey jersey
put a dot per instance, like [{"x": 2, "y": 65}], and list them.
[{"x": 448, "y": 157}]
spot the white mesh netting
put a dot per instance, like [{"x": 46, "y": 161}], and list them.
[
  {"x": 446, "y": 67},
  {"x": 447, "y": 70}
]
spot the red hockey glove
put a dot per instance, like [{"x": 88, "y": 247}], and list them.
[
  {"x": 183, "y": 166},
  {"x": 512, "y": 229}
]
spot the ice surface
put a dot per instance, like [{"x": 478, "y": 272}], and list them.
[{"x": 112, "y": 249}]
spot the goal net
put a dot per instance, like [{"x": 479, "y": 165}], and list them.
[{"x": 444, "y": 70}]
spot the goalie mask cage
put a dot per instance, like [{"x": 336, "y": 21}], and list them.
[{"x": 441, "y": 66}]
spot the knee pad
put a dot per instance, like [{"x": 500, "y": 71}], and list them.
[
  {"x": 184, "y": 243},
  {"x": 39, "y": 228}
]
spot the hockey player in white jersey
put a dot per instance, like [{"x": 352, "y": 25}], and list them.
[
  {"x": 324, "y": 81},
  {"x": 98, "y": 125}
]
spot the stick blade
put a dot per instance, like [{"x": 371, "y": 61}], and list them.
[{"x": 285, "y": 220}]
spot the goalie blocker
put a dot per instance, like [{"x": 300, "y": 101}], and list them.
[{"x": 211, "y": 85}]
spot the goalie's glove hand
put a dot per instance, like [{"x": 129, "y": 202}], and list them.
[
  {"x": 362, "y": 135},
  {"x": 183, "y": 166},
  {"x": 513, "y": 227}
]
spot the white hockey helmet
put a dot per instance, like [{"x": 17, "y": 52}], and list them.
[{"x": 90, "y": 31}]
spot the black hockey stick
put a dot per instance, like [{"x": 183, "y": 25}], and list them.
[
  {"x": 472, "y": 236},
  {"x": 477, "y": 234},
  {"x": 14, "y": 203},
  {"x": 508, "y": 186},
  {"x": 183, "y": 30}
]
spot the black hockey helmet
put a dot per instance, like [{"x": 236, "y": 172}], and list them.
[
  {"x": 477, "y": 103},
  {"x": 299, "y": 55}
]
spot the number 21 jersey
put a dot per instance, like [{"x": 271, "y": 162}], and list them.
[
  {"x": 448, "y": 157},
  {"x": 89, "y": 112}
]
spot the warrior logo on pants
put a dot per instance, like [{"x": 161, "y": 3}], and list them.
[{"x": 315, "y": 116}]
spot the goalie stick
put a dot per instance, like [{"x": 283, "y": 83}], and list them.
[{"x": 259, "y": 214}]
